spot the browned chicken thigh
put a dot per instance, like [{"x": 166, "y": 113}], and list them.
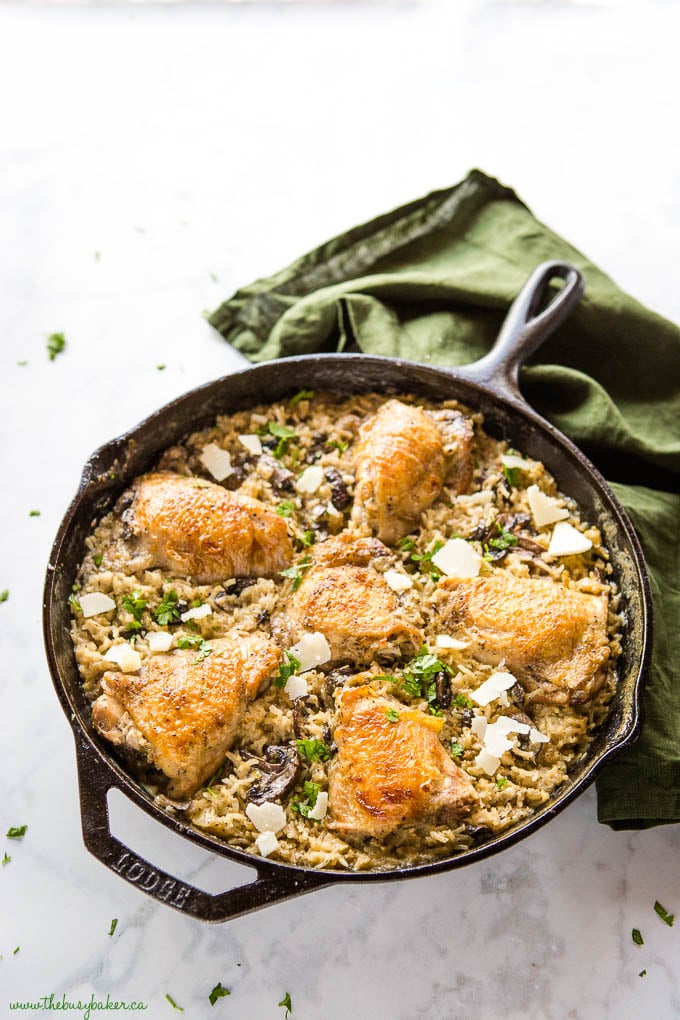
[
  {"x": 391, "y": 768},
  {"x": 182, "y": 714},
  {"x": 198, "y": 529},
  {"x": 553, "y": 638},
  {"x": 352, "y": 605},
  {"x": 401, "y": 462}
]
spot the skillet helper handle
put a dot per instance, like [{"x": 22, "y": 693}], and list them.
[
  {"x": 272, "y": 884},
  {"x": 525, "y": 328}
]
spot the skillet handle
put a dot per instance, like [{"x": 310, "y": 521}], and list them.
[
  {"x": 525, "y": 329},
  {"x": 272, "y": 884}
]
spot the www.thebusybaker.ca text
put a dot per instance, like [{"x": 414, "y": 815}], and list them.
[{"x": 86, "y": 1008}]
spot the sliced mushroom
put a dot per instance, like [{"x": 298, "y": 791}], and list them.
[
  {"x": 280, "y": 478},
  {"x": 340, "y": 497},
  {"x": 336, "y": 678},
  {"x": 279, "y": 767}
]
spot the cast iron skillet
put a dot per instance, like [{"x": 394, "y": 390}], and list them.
[{"x": 490, "y": 385}]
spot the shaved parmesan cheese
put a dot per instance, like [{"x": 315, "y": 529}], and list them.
[
  {"x": 478, "y": 726},
  {"x": 95, "y": 603},
  {"x": 496, "y": 736},
  {"x": 312, "y": 650},
  {"x": 536, "y": 737},
  {"x": 159, "y": 640},
  {"x": 266, "y": 817},
  {"x": 320, "y": 808},
  {"x": 457, "y": 558},
  {"x": 476, "y": 498},
  {"x": 444, "y": 641},
  {"x": 493, "y": 687},
  {"x": 511, "y": 460},
  {"x": 296, "y": 687},
  {"x": 253, "y": 444},
  {"x": 398, "y": 581},
  {"x": 544, "y": 509},
  {"x": 486, "y": 761},
  {"x": 217, "y": 461},
  {"x": 196, "y": 613},
  {"x": 567, "y": 541},
  {"x": 267, "y": 843},
  {"x": 310, "y": 479},
  {"x": 125, "y": 657}
]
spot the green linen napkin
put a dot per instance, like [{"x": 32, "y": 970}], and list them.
[{"x": 431, "y": 281}]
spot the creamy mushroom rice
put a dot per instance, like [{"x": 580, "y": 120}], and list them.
[{"x": 321, "y": 430}]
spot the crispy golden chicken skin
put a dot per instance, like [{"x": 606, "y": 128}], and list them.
[
  {"x": 352, "y": 605},
  {"x": 553, "y": 638},
  {"x": 200, "y": 530},
  {"x": 401, "y": 462},
  {"x": 183, "y": 715},
  {"x": 391, "y": 773}
]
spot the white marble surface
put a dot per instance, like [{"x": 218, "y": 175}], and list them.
[{"x": 180, "y": 142}]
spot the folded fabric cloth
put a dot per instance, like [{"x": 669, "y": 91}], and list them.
[{"x": 432, "y": 281}]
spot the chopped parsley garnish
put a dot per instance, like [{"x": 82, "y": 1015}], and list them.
[
  {"x": 419, "y": 679},
  {"x": 424, "y": 561},
  {"x": 335, "y": 444},
  {"x": 114, "y": 925},
  {"x": 285, "y": 508},
  {"x": 56, "y": 342},
  {"x": 313, "y": 750},
  {"x": 461, "y": 701},
  {"x": 308, "y": 539},
  {"x": 407, "y": 544},
  {"x": 637, "y": 937},
  {"x": 16, "y": 831},
  {"x": 135, "y": 605},
  {"x": 505, "y": 540},
  {"x": 663, "y": 914},
  {"x": 297, "y": 570},
  {"x": 302, "y": 395},
  {"x": 286, "y": 670},
  {"x": 6, "y": 859},
  {"x": 456, "y": 749},
  {"x": 194, "y": 641},
  {"x": 310, "y": 791},
  {"x": 97, "y": 560},
  {"x": 74, "y": 603},
  {"x": 34, "y": 513},
  {"x": 511, "y": 476},
  {"x": 287, "y": 1004},
  {"x": 392, "y": 714},
  {"x": 173, "y": 1003},
  {"x": 283, "y": 434},
  {"x": 218, "y": 992},
  {"x": 502, "y": 782},
  {"x": 4, "y": 595},
  {"x": 167, "y": 611}
]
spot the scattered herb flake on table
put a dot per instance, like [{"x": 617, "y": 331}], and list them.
[
  {"x": 218, "y": 992},
  {"x": 642, "y": 973},
  {"x": 637, "y": 937},
  {"x": 6, "y": 859},
  {"x": 287, "y": 1004},
  {"x": 4, "y": 595},
  {"x": 56, "y": 342},
  {"x": 161, "y": 368},
  {"x": 114, "y": 925},
  {"x": 15, "y": 951},
  {"x": 173, "y": 1003},
  {"x": 34, "y": 513},
  {"x": 663, "y": 914},
  {"x": 16, "y": 831}
]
